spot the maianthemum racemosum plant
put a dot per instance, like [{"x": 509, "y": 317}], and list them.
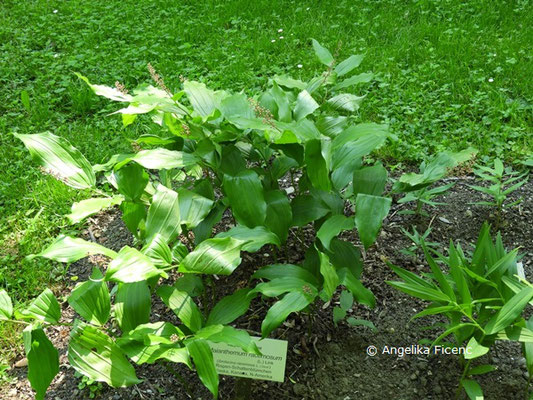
[{"x": 215, "y": 153}]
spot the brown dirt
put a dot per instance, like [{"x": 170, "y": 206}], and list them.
[{"x": 331, "y": 363}]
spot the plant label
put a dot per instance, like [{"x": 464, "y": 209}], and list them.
[{"x": 270, "y": 366}]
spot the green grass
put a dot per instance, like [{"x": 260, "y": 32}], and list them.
[{"x": 449, "y": 74}]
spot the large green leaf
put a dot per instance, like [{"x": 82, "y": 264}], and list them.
[
  {"x": 183, "y": 306},
  {"x": 163, "y": 215},
  {"x": 203, "y": 100},
  {"x": 291, "y": 302},
  {"x": 370, "y": 180},
  {"x": 354, "y": 285},
  {"x": 131, "y": 181},
  {"x": 148, "y": 343},
  {"x": 356, "y": 142},
  {"x": 229, "y": 335},
  {"x": 68, "y": 249},
  {"x": 132, "y": 215},
  {"x": 131, "y": 266},
  {"x": 84, "y": 208},
  {"x": 93, "y": 354},
  {"x": 158, "y": 251},
  {"x": 331, "y": 279},
  {"x": 370, "y": 211},
  {"x": 510, "y": 311},
  {"x": 193, "y": 207},
  {"x": 317, "y": 166},
  {"x": 6, "y": 306},
  {"x": 205, "y": 228},
  {"x": 332, "y": 227},
  {"x": 345, "y": 255},
  {"x": 305, "y": 105},
  {"x": 229, "y": 308},
  {"x": 60, "y": 159},
  {"x": 213, "y": 256},
  {"x": 43, "y": 360},
  {"x": 354, "y": 80},
  {"x": 91, "y": 299},
  {"x": 285, "y": 271},
  {"x": 111, "y": 93},
  {"x": 278, "y": 214},
  {"x": 346, "y": 101},
  {"x": 349, "y": 64},
  {"x": 472, "y": 389},
  {"x": 44, "y": 308},
  {"x": 204, "y": 363},
  {"x": 132, "y": 305},
  {"x": 279, "y": 286},
  {"x": 159, "y": 158},
  {"x": 255, "y": 238},
  {"x": 246, "y": 197},
  {"x": 306, "y": 209},
  {"x": 322, "y": 53}
]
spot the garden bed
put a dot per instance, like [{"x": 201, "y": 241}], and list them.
[{"x": 327, "y": 362}]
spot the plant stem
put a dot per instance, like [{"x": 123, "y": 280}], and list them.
[{"x": 460, "y": 387}]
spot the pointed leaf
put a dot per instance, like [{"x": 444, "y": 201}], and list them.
[
  {"x": 332, "y": 227},
  {"x": 91, "y": 299},
  {"x": 229, "y": 308},
  {"x": 44, "y": 308},
  {"x": 510, "y": 311},
  {"x": 291, "y": 302},
  {"x": 131, "y": 265},
  {"x": 60, "y": 159},
  {"x": 370, "y": 180},
  {"x": 43, "y": 360},
  {"x": 305, "y": 105},
  {"x": 246, "y": 197},
  {"x": 213, "y": 256},
  {"x": 255, "y": 238},
  {"x": 163, "y": 215},
  {"x": 278, "y": 214},
  {"x": 193, "y": 207},
  {"x": 68, "y": 249},
  {"x": 6, "y": 306},
  {"x": 93, "y": 354},
  {"x": 349, "y": 64},
  {"x": 204, "y": 363},
  {"x": 472, "y": 389},
  {"x": 328, "y": 272},
  {"x": 322, "y": 53},
  {"x": 370, "y": 213},
  {"x": 183, "y": 306},
  {"x": 84, "y": 208},
  {"x": 229, "y": 335},
  {"x": 285, "y": 271},
  {"x": 474, "y": 349},
  {"x": 132, "y": 305},
  {"x": 131, "y": 181}
]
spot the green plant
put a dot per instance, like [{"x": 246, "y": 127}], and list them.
[
  {"x": 482, "y": 298},
  {"x": 417, "y": 186},
  {"x": 93, "y": 387},
  {"x": 418, "y": 241},
  {"x": 502, "y": 182},
  {"x": 212, "y": 152}
]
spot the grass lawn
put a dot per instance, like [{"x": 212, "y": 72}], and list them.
[{"x": 449, "y": 74}]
